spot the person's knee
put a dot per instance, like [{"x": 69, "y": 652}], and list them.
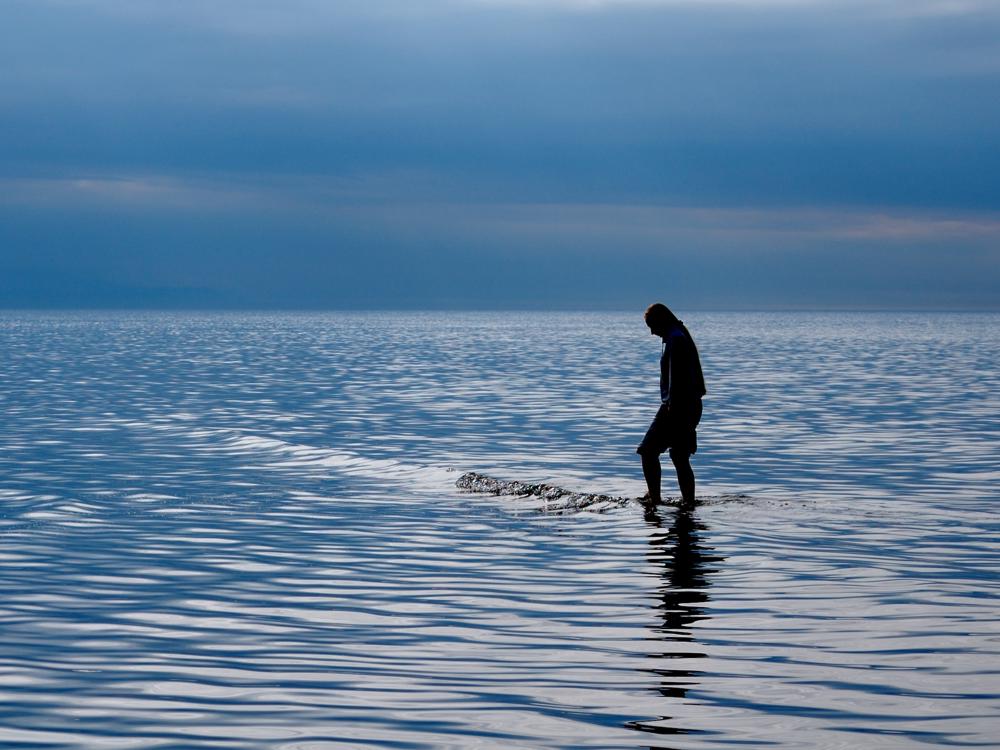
[
  {"x": 647, "y": 452},
  {"x": 679, "y": 457}
]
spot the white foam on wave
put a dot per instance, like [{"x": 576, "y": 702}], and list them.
[{"x": 273, "y": 454}]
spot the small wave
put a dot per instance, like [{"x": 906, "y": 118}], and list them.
[
  {"x": 557, "y": 499},
  {"x": 273, "y": 454}
]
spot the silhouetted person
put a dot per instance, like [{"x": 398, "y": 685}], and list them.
[{"x": 681, "y": 387}]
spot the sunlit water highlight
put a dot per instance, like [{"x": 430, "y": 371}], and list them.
[{"x": 243, "y": 531}]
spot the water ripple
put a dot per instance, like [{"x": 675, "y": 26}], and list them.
[{"x": 243, "y": 531}]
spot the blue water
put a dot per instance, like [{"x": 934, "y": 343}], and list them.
[{"x": 241, "y": 530}]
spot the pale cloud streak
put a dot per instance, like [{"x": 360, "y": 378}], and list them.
[{"x": 392, "y": 199}]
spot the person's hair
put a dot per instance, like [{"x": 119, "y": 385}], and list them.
[{"x": 658, "y": 312}]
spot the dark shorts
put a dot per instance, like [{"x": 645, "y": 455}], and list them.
[{"x": 674, "y": 429}]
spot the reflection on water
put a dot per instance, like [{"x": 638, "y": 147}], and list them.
[
  {"x": 676, "y": 547},
  {"x": 242, "y": 531}
]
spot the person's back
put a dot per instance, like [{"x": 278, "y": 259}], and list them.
[{"x": 681, "y": 378}]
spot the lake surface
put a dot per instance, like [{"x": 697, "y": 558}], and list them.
[{"x": 242, "y": 530}]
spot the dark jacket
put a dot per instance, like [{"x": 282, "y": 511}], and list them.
[{"x": 681, "y": 378}]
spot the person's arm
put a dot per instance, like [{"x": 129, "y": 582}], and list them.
[
  {"x": 667, "y": 371},
  {"x": 670, "y": 373}
]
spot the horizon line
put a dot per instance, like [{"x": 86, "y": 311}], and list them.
[{"x": 500, "y": 309}]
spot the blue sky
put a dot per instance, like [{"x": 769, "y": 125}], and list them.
[{"x": 500, "y": 153}]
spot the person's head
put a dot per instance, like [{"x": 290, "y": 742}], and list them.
[{"x": 659, "y": 319}]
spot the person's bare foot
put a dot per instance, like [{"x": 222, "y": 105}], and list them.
[{"x": 650, "y": 509}]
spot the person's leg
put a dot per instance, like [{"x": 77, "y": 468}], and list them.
[
  {"x": 651, "y": 471},
  {"x": 685, "y": 474}
]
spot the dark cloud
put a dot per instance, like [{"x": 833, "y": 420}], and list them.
[{"x": 365, "y": 154}]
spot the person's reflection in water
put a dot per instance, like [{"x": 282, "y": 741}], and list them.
[{"x": 685, "y": 564}]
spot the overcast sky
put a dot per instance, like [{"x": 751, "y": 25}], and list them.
[{"x": 500, "y": 153}]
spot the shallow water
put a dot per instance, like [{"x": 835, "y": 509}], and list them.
[{"x": 242, "y": 531}]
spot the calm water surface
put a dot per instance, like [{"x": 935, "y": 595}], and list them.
[{"x": 242, "y": 531}]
